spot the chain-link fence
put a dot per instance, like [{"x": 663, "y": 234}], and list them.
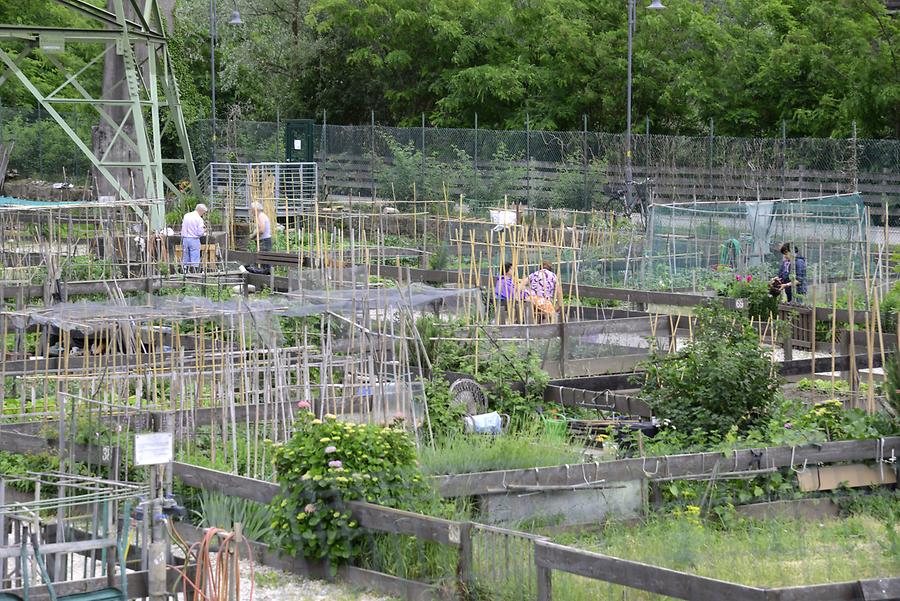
[{"x": 570, "y": 169}]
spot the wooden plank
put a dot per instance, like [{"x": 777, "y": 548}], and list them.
[
  {"x": 642, "y": 326},
  {"x": 137, "y": 586},
  {"x": 235, "y": 486},
  {"x": 74, "y": 288},
  {"x": 670, "y": 466},
  {"x": 599, "y": 365},
  {"x": 830, "y": 477},
  {"x": 386, "y": 584},
  {"x": 410, "y": 590},
  {"x": 641, "y": 576},
  {"x": 606, "y": 401},
  {"x": 839, "y": 591},
  {"x": 386, "y": 519},
  {"x": 67, "y": 547},
  {"x": 25, "y": 444},
  {"x": 623, "y": 381},
  {"x": 881, "y": 589},
  {"x": 807, "y": 509}
]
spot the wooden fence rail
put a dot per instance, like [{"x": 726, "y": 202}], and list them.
[
  {"x": 548, "y": 556},
  {"x": 668, "y": 466},
  {"x": 681, "y": 585}
]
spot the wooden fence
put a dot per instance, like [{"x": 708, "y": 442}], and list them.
[
  {"x": 525, "y": 563},
  {"x": 354, "y": 174}
]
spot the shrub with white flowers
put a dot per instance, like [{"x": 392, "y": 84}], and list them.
[{"x": 329, "y": 462}]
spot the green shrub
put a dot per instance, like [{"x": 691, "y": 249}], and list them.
[
  {"x": 328, "y": 463},
  {"x": 721, "y": 379}
]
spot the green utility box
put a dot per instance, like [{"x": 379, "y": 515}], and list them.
[{"x": 299, "y": 141}]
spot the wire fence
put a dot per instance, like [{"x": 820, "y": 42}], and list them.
[{"x": 566, "y": 169}]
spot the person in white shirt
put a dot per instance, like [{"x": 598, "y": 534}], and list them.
[
  {"x": 192, "y": 229},
  {"x": 263, "y": 233}
]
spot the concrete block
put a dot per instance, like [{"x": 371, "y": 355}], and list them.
[{"x": 567, "y": 507}]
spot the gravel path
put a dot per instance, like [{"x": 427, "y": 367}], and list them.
[{"x": 275, "y": 585}]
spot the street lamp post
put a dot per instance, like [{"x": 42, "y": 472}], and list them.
[
  {"x": 234, "y": 20},
  {"x": 629, "y": 172}
]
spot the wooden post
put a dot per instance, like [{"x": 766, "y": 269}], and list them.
[
  {"x": 788, "y": 344},
  {"x": 851, "y": 342},
  {"x": 234, "y": 571},
  {"x": 562, "y": 345},
  {"x": 464, "y": 565},
  {"x": 544, "y": 583}
]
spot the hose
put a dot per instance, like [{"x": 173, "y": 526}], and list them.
[{"x": 209, "y": 579}]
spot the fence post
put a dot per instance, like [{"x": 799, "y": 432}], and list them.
[
  {"x": 647, "y": 162},
  {"x": 464, "y": 562},
  {"x": 475, "y": 153},
  {"x": 584, "y": 170},
  {"x": 372, "y": 158},
  {"x": 783, "y": 156},
  {"x": 544, "y": 583},
  {"x": 854, "y": 161},
  {"x": 709, "y": 164},
  {"x": 423, "y": 161},
  {"x": 40, "y": 144},
  {"x": 528, "y": 156}
]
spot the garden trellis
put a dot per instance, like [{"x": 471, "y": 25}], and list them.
[
  {"x": 234, "y": 370},
  {"x": 687, "y": 241}
]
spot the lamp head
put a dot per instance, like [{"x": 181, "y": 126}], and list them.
[
  {"x": 236, "y": 17},
  {"x": 656, "y": 5}
]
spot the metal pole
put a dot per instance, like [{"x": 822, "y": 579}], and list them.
[
  {"x": 585, "y": 197},
  {"x": 424, "y": 177},
  {"x": 629, "y": 175},
  {"x": 528, "y": 153},
  {"x": 212, "y": 71},
  {"x": 372, "y": 158},
  {"x": 476, "y": 156},
  {"x": 854, "y": 183},
  {"x": 709, "y": 166},
  {"x": 783, "y": 155}
]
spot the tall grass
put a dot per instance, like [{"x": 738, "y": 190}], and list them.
[
  {"x": 218, "y": 510},
  {"x": 527, "y": 447},
  {"x": 764, "y": 553}
]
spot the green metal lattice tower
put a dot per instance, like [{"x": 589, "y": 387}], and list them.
[{"x": 135, "y": 107}]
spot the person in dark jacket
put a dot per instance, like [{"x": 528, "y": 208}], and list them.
[{"x": 794, "y": 285}]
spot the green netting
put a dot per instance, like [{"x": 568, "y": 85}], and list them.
[{"x": 688, "y": 241}]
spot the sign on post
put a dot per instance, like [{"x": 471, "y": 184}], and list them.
[{"x": 154, "y": 449}]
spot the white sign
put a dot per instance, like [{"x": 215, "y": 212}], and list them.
[
  {"x": 153, "y": 449},
  {"x": 738, "y": 303},
  {"x": 298, "y": 144},
  {"x": 503, "y": 217}
]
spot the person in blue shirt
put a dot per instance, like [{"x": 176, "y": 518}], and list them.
[
  {"x": 791, "y": 260},
  {"x": 505, "y": 288}
]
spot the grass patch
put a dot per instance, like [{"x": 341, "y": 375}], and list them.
[
  {"x": 466, "y": 453},
  {"x": 763, "y": 553}
]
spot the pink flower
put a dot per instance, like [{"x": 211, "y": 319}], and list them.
[
  {"x": 749, "y": 278},
  {"x": 309, "y": 508},
  {"x": 303, "y": 405},
  {"x": 336, "y": 464},
  {"x": 330, "y": 449},
  {"x": 738, "y": 278},
  {"x": 789, "y": 426}
]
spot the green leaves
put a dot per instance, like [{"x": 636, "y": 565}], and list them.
[
  {"x": 719, "y": 381},
  {"x": 327, "y": 463}
]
